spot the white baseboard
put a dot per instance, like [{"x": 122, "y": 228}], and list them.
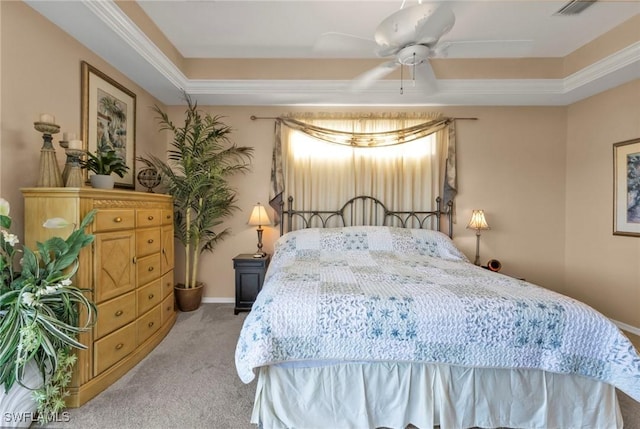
[
  {"x": 218, "y": 300},
  {"x": 631, "y": 329}
]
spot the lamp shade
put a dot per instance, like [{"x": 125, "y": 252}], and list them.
[
  {"x": 478, "y": 220},
  {"x": 259, "y": 216}
]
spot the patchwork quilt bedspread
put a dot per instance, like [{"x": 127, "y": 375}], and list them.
[{"x": 390, "y": 294}]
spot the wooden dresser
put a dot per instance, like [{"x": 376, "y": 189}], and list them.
[{"x": 129, "y": 267}]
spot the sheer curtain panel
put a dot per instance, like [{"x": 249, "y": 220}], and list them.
[{"x": 402, "y": 160}]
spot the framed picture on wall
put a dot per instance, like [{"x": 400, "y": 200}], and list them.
[
  {"x": 108, "y": 119},
  {"x": 626, "y": 188}
]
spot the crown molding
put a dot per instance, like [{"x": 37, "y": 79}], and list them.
[
  {"x": 110, "y": 14},
  {"x": 625, "y": 57}
]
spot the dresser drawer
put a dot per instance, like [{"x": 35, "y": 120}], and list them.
[
  {"x": 147, "y": 217},
  {"x": 115, "y": 346},
  {"x": 149, "y": 296},
  {"x": 167, "y": 284},
  {"x": 115, "y": 313},
  {"x": 167, "y": 216},
  {"x": 148, "y": 268},
  {"x": 149, "y": 324},
  {"x": 168, "y": 308},
  {"x": 113, "y": 219},
  {"x": 148, "y": 241}
]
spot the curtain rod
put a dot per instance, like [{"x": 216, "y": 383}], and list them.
[{"x": 254, "y": 118}]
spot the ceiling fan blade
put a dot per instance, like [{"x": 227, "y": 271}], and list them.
[
  {"x": 485, "y": 49},
  {"x": 369, "y": 77},
  {"x": 344, "y": 43},
  {"x": 438, "y": 20},
  {"x": 426, "y": 78},
  {"x": 423, "y": 23}
]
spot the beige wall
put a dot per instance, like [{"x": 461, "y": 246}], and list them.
[
  {"x": 41, "y": 74},
  {"x": 511, "y": 164},
  {"x": 542, "y": 174},
  {"x": 602, "y": 270}
]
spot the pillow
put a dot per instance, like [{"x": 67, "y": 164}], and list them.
[{"x": 311, "y": 241}]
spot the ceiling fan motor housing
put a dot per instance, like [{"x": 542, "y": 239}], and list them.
[{"x": 413, "y": 55}]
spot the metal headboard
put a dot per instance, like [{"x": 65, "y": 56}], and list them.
[{"x": 365, "y": 210}]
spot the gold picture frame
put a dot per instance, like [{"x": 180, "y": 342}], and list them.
[
  {"x": 108, "y": 119},
  {"x": 626, "y": 188}
]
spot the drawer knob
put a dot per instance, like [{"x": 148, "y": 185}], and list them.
[
  {"x": 150, "y": 217},
  {"x": 119, "y": 346},
  {"x": 119, "y": 313},
  {"x": 118, "y": 219},
  {"x": 151, "y": 296},
  {"x": 150, "y": 269},
  {"x": 151, "y": 324},
  {"x": 150, "y": 240}
]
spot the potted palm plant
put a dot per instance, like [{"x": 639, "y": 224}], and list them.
[
  {"x": 104, "y": 163},
  {"x": 199, "y": 163},
  {"x": 41, "y": 314}
]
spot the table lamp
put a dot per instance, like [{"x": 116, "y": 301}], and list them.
[
  {"x": 477, "y": 222},
  {"x": 259, "y": 217}
]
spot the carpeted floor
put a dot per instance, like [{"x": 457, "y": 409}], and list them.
[{"x": 189, "y": 381}]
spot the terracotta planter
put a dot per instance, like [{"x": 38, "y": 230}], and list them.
[{"x": 188, "y": 299}]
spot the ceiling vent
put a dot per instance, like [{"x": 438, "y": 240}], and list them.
[{"x": 574, "y": 7}]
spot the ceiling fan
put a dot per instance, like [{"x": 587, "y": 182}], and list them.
[{"x": 409, "y": 35}]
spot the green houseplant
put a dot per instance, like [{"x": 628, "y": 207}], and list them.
[
  {"x": 104, "y": 163},
  {"x": 196, "y": 173},
  {"x": 41, "y": 312}
]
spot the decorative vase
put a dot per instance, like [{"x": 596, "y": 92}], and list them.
[
  {"x": 188, "y": 299},
  {"x": 102, "y": 181},
  {"x": 149, "y": 178},
  {"x": 17, "y": 407}
]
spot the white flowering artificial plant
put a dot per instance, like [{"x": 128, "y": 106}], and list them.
[{"x": 40, "y": 310}]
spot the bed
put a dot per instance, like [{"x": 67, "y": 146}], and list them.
[{"x": 367, "y": 326}]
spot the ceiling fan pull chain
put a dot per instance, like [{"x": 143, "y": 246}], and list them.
[
  {"x": 414, "y": 69},
  {"x": 401, "y": 79}
]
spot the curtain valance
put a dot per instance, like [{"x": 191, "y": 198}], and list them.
[{"x": 367, "y": 139}]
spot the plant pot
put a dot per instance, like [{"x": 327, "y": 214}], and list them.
[
  {"x": 17, "y": 407},
  {"x": 102, "y": 181},
  {"x": 188, "y": 299}
]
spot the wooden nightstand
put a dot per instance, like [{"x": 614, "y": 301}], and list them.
[{"x": 250, "y": 274}]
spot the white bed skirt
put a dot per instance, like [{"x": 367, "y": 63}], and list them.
[{"x": 394, "y": 395}]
